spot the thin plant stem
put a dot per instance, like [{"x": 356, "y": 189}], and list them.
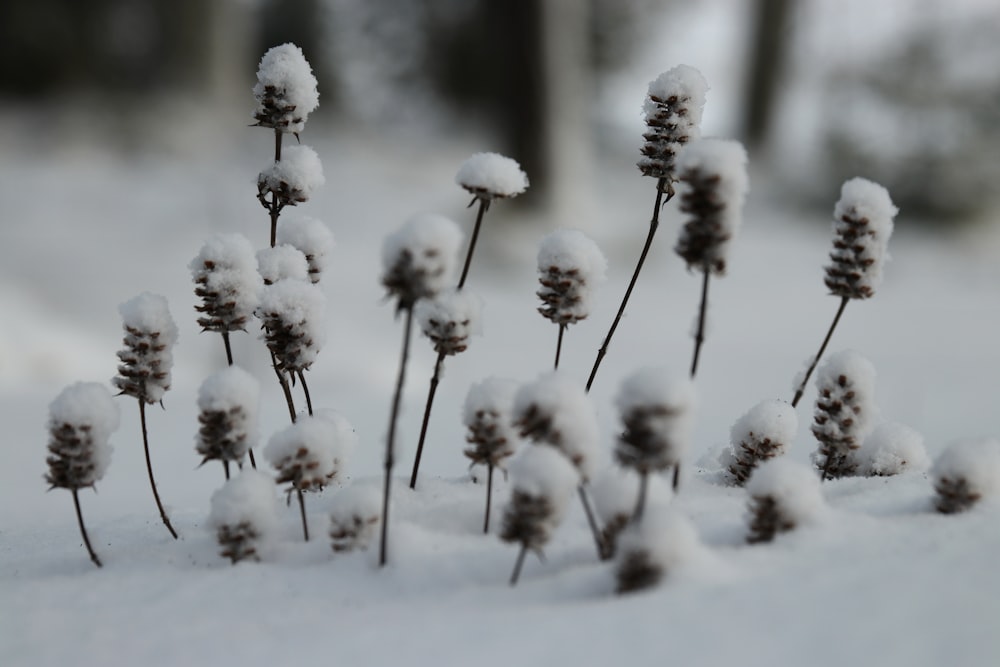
[
  {"x": 654, "y": 223},
  {"x": 305, "y": 390},
  {"x": 302, "y": 512},
  {"x": 83, "y": 529},
  {"x": 640, "y": 503},
  {"x": 822, "y": 348},
  {"x": 484, "y": 205},
  {"x": 677, "y": 477},
  {"x": 253, "y": 462},
  {"x": 516, "y": 574},
  {"x": 602, "y": 550},
  {"x": 273, "y": 210},
  {"x": 435, "y": 379},
  {"x": 699, "y": 336},
  {"x": 225, "y": 467},
  {"x": 391, "y": 439},
  {"x": 149, "y": 469},
  {"x": 229, "y": 348},
  {"x": 489, "y": 497},
  {"x": 283, "y": 381},
  {"x": 562, "y": 330}
]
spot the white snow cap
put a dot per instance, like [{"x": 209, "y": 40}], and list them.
[
  {"x": 556, "y": 410},
  {"x": 492, "y": 176},
  {"x": 856, "y": 271},
  {"x": 667, "y": 537},
  {"x": 794, "y": 486},
  {"x": 249, "y": 497},
  {"x": 148, "y": 315},
  {"x": 281, "y": 262},
  {"x": 355, "y": 513},
  {"x": 542, "y": 472},
  {"x": 667, "y": 401},
  {"x": 892, "y": 449},
  {"x": 308, "y": 453},
  {"x": 300, "y": 307},
  {"x": 234, "y": 391},
  {"x": 431, "y": 242},
  {"x": 150, "y": 312},
  {"x": 575, "y": 266},
  {"x": 493, "y": 395},
  {"x": 860, "y": 373},
  {"x": 616, "y": 490},
  {"x": 310, "y": 236},
  {"x": 682, "y": 81},
  {"x": 226, "y": 265},
  {"x": 773, "y": 419},
  {"x": 295, "y": 176},
  {"x": 976, "y": 460},
  {"x": 673, "y": 110},
  {"x": 449, "y": 318},
  {"x": 88, "y": 405},
  {"x": 285, "y": 70}
]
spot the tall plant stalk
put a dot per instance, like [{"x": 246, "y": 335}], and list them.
[
  {"x": 149, "y": 470},
  {"x": 390, "y": 445},
  {"x": 435, "y": 380},
  {"x": 83, "y": 529},
  {"x": 699, "y": 336},
  {"x": 822, "y": 348},
  {"x": 484, "y": 205}
]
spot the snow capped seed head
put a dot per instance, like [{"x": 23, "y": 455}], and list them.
[
  {"x": 761, "y": 434},
  {"x": 146, "y": 360},
  {"x": 354, "y": 517},
  {"x": 306, "y": 454},
  {"x": 81, "y": 420},
  {"x": 487, "y": 413},
  {"x": 449, "y": 318},
  {"x": 228, "y": 402},
  {"x": 673, "y": 110},
  {"x": 226, "y": 279},
  {"x": 292, "y": 313},
  {"x": 614, "y": 493},
  {"x": 862, "y": 225},
  {"x": 312, "y": 238},
  {"x": 966, "y": 472},
  {"x": 845, "y": 411},
  {"x": 492, "y": 176},
  {"x": 286, "y": 90},
  {"x": 542, "y": 483},
  {"x": 714, "y": 173},
  {"x": 418, "y": 259},
  {"x": 555, "y": 411},
  {"x": 656, "y": 409},
  {"x": 282, "y": 262},
  {"x": 244, "y": 515},
  {"x": 893, "y": 449},
  {"x": 570, "y": 266},
  {"x": 292, "y": 179},
  {"x": 783, "y": 495},
  {"x": 659, "y": 542}
]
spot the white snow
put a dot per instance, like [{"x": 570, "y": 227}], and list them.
[
  {"x": 665, "y": 402},
  {"x": 450, "y": 318},
  {"x": 685, "y": 83},
  {"x": 234, "y": 391},
  {"x": 356, "y": 511},
  {"x": 859, "y": 391},
  {"x": 774, "y": 419},
  {"x": 310, "y": 449},
  {"x": 249, "y": 497},
  {"x": 794, "y": 486},
  {"x": 299, "y": 307},
  {"x": 976, "y": 460},
  {"x": 615, "y": 491},
  {"x": 346, "y": 435},
  {"x": 491, "y": 176},
  {"x": 570, "y": 267},
  {"x": 90, "y": 406},
  {"x": 298, "y": 173},
  {"x": 668, "y": 538},
  {"x": 286, "y": 69},
  {"x": 148, "y": 315},
  {"x": 892, "y": 449},
  {"x": 673, "y": 109},
  {"x": 861, "y": 199},
  {"x": 310, "y": 236},
  {"x": 281, "y": 262},
  {"x": 543, "y": 472},
  {"x": 227, "y": 265},
  {"x": 488, "y": 414},
  {"x": 431, "y": 243}
]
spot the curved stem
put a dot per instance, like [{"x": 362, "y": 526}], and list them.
[
  {"x": 562, "y": 330},
  {"x": 149, "y": 469},
  {"x": 283, "y": 381},
  {"x": 83, "y": 529},
  {"x": 435, "y": 379},
  {"x": 484, "y": 204},
  {"x": 602, "y": 550},
  {"x": 822, "y": 348},
  {"x": 229, "y": 348},
  {"x": 305, "y": 390},
  {"x": 516, "y": 574},
  {"x": 699, "y": 336},
  {"x": 390, "y": 443},
  {"x": 489, "y": 497},
  {"x": 302, "y": 512}
]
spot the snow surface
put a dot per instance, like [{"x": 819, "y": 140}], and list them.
[
  {"x": 310, "y": 236},
  {"x": 286, "y": 69},
  {"x": 492, "y": 176},
  {"x": 90, "y": 406},
  {"x": 299, "y": 171}
]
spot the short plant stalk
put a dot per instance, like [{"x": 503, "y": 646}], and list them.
[
  {"x": 149, "y": 469},
  {"x": 484, "y": 204},
  {"x": 225, "y": 468},
  {"x": 83, "y": 529},
  {"x": 302, "y": 512},
  {"x": 640, "y": 503},
  {"x": 391, "y": 439},
  {"x": 435, "y": 380},
  {"x": 559, "y": 341},
  {"x": 822, "y": 348},
  {"x": 229, "y": 348},
  {"x": 699, "y": 337},
  {"x": 489, "y": 497},
  {"x": 518, "y": 564},
  {"x": 285, "y": 389},
  {"x": 602, "y": 550},
  {"x": 305, "y": 390}
]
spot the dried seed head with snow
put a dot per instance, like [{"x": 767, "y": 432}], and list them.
[
  {"x": 353, "y": 518},
  {"x": 673, "y": 110},
  {"x": 487, "y": 413},
  {"x": 862, "y": 225},
  {"x": 228, "y": 404},
  {"x": 761, "y": 434},
  {"x": 542, "y": 483},
  {"x": 845, "y": 412},
  {"x": 419, "y": 258},
  {"x": 81, "y": 420},
  {"x": 966, "y": 472},
  {"x": 307, "y": 454},
  {"x": 312, "y": 238},
  {"x": 286, "y": 89},
  {"x": 147, "y": 358},
  {"x": 291, "y": 180},
  {"x": 614, "y": 493},
  {"x": 656, "y": 409},
  {"x": 244, "y": 515},
  {"x": 227, "y": 282},
  {"x": 491, "y": 176},
  {"x": 292, "y": 316},
  {"x": 783, "y": 495},
  {"x": 449, "y": 319},
  {"x": 570, "y": 267},
  {"x": 282, "y": 262},
  {"x": 556, "y": 411},
  {"x": 649, "y": 549},
  {"x": 714, "y": 174},
  {"x": 892, "y": 449}
]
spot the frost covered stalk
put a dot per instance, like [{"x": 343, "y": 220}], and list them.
[
  {"x": 783, "y": 495},
  {"x": 673, "y": 110},
  {"x": 656, "y": 409},
  {"x": 244, "y": 515},
  {"x": 554, "y": 411},
  {"x": 227, "y": 404},
  {"x": 353, "y": 519},
  {"x": 81, "y": 420},
  {"x": 417, "y": 263},
  {"x": 653, "y": 546},
  {"x": 146, "y": 361},
  {"x": 862, "y": 225},
  {"x": 966, "y": 472},
  {"x": 845, "y": 411},
  {"x": 542, "y": 482},
  {"x": 488, "y": 176},
  {"x": 714, "y": 172},
  {"x": 491, "y": 437},
  {"x": 761, "y": 434},
  {"x": 570, "y": 266},
  {"x": 286, "y": 93}
]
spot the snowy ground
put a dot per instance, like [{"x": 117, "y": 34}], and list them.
[{"x": 880, "y": 580}]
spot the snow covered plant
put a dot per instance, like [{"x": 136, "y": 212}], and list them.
[
  {"x": 488, "y": 176},
  {"x": 81, "y": 420},
  {"x": 714, "y": 174},
  {"x": 656, "y": 410},
  {"x": 673, "y": 110},
  {"x": 615, "y": 491},
  {"x": 353, "y": 518},
  {"x": 862, "y": 225},
  {"x": 290, "y": 180},
  {"x": 312, "y": 238},
  {"x": 570, "y": 267},
  {"x": 966, "y": 472},
  {"x": 491, "y": 437},
  {"x": 761, "y": 434},
  {"x": 845, "y": 412},
  {"x": 282, "y": 262},
  {"x": 308, "y": 455},
  {"x": 244, "y": 515},
  {"x": 228, "y": 283},
  {"x": 227, "y": 403},
  {"x": 650, "y": 548},
  {"x": 892, "y": 449},
  {"x": 783, "y": 495},
  {"x": 146, "y": 361},
  {"x": 542, "y": 482}
]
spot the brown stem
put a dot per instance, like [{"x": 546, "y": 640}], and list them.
[
  {"x": 562, "y": 330},
  {"x": 516, "y": 574},
  {"x": 699, "y": 336},
  {"x": 225, "y": 467},
  {"x": 640, "y": 503},
  {"x": 435, "y": 379},
  {"x": 489, "y": 497},
  {"x": 283, "y": 381},
  {"x": 83, "y": 529},
  {"x": 229, "y": 349},
  {"x": 390, "y": 443},
  {"x": 149, "y": 469},
  {"x": 273, "y": 209},
  {"x": 653, "y": 224},
  {"x": 484, "y": 204},
  {"x": 302, "y": 511},
  {"x": 253, "y": 462},
  {"x": 305, "y": 390},
  {"x": 602, "y": 550},
  {"x": 677, "y": 476},
  {"x": 822, "y": 348}
]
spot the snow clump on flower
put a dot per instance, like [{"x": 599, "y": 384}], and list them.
[
  {"x": 542, "y": 483},
  {"x": 657, "y": 409},
  {"x": 652, "y": 547},
  {"x": 966, "y": 472},
  {"x": 863, "y": 222},
  {"x": 450, "y": 318},
  {"x": 354, "y": 516},
  {"x": 892, "y": 449},
  {"x": 492, "y": 176},
  {"x": 312, "y": 238},
  {"x": 282, "y": 262},
  {"x": 291, "y": 179},
  {"x": 845, "y": 412},
  {"x": 614, "y": 492},
  {"x": 783, "y": 495},
  {"x": 286, "y": 90},
  {"x": 244, "y": 515},
  {"x": 293, "y": 317},
  {"x": 227, "y": 281},
  {"x": 419, "y": 258},
  {"x": 228, "y": 401},
  {"x": 81, "y": 420},
  {"x": 761, "y": 434},
  {"x": 147, "y": 359},
  {"x": 570, "y": 267},
  {"x": 673, "y": 109},
  {"x": 487, "y": 413},
  {"x": 307, "y": 454}
]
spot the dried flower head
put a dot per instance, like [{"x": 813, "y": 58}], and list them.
[
  {"x": 227, "y": 403},
  {"x": 656, "y": 409},
  {"x": 244, "y": 515},
  {"x": 418, "y": 259},
  {"x": 312, "y": 238},
  {"x": 542, "y": 483},
  {"x": 863, "y": 222},
  {"x": 965, "y": 473},
  {"x": 306, "y": 454},
  {"x": 292, "y": 317},
  {"x": 673, "y": 110},
  {"x": 845, "y": 410},
  {"x": 761, "y": 434},
  {"x": 893, "y": 449},
  {"x": 227, "y": 282},
  {"x": 491, "y": 176},
  {"x": 487, "y": 412},
  {"x": 146, "y": 360},
  {"x": 81, "y": 420},
  {"x": 570, "y": 266},
  {"x": 286, "y": 90},
  {"x": 291, "y": 180},
  {"x": 354, "y": 518},
  {"x": 652, "y": 547},
  {"x": 449, "y": 319},
  {"x": 783, "y": 495}
]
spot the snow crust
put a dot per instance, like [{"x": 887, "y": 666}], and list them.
[
  {"x": 249, "y": 497},
  {"x": 452, "y": 316},
  {"x": 492, "y": 176},
  {"x": 281, "y": 262},
  {"x": 285, "y": 69},
  {"x": 976, "y": 460},
  {"x": 431, "y": 242},
  {"x": 227, "y": 265},
  {"x": 88, "y": 405},
  {"x": 892, "y": 449},
  {"x": 311, "y": 237},
  {"x": 543, "y": 472},
  {"x": 295, "y": 176}
]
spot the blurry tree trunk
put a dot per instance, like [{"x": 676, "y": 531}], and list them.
[{"x": 768, "y": 46}]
